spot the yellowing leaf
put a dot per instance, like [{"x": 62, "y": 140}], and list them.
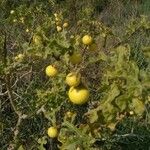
[
  {"x": 20, "y": 147},
  {"x": 137, "y": 106},
  {"x": 109, "y": 112},
  {"x": 112, "y": 126},
  {"x": 93, "y": 116}
]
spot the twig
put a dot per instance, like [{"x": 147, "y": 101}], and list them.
[
  {"x": 10, "y": 95},
  {"x": 30, "y": 71},
  {"x": 127, "y": 38},
  {"x": 127, "y": 135},
  {"x": 81, "y": 64},
  {"x": 2, "y": 94},
  {"x": 7, "y": 79},
  {"x": 5, "y": 50}
]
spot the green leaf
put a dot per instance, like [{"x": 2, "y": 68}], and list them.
[
  {"x": 70, "y": 144},
  {"x": 102, "y": 56},
  {"x": 20, "y": 147},
  {"x": 146, "y": 49},
  {"x": 62, "y": 40},
  {"x": 77, "y": 137},
  {"x": 93, "y": 116},
  {"x": 122, "y": 101},
  {"x": 109, "y": 112},
  {"x": 123, "y": 54},
  {"x": 137, "y": 106},
  {"x": 42, "y": 141},
  {"x": 112, "y": 94}
]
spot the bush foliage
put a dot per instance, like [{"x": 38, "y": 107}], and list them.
[{"x": 115, "y": 69}]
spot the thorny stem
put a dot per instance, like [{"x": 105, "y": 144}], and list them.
[
  {"x": 80, "y": 64},
  {"x": 19, "y": 114},
  {"x": 10, "y": 95},
  {"x": 105, "y": 41},
  {"x": 127, "y": 38}
]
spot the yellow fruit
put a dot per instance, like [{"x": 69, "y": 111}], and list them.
[
  {"x": 57, "y": 19},
  {"x": 78, "y": 95},
  {"x": 37, "y": 40},
  {"x": 51, "y": 71},
  {"x": 52, "y": 132},
  {"x": 78, "y": 148},
  {"x": 59, "y": 28},
  {"x": 103, "y": 35},
  {"x": 73, "y": 79},
  {"x": 93, "y": 47},
  {"x": 72, "y": 36},
  {"x": 22, "y": 19},
  {"x": 15, "y": 20},
  {"x": 19, "y": 57},
  {"x": 55, "y": 14},
  {"x": 87, "y": 40},
  {"x": 27, "y": 30},
  {"x": 65, "y": 25},
  {"x": 131, "y": 113},
  {"x": 69, "y": 114},
  {"x": 12, "y": 12},
  {"x": 16, "y": 58},
  {"x": 75, "y": 58},
  {"x": 148, "y": 98}
]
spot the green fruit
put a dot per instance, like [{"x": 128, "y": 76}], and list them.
[
  {"x": 75, "y": 58},
  {"x": 37, "y": 40}
]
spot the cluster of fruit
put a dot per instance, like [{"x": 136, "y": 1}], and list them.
[
  {"x": 18, "y": 20},
  {"x": 58, "y": 22},
  {"x": 78, "y": 93}
]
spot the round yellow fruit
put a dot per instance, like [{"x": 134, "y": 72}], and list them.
[
  {"x": 15, "y": 20},
  {"x": 51, "y": 71},
  {"x": 131, "y": 112},
  {"x": 19, "y": 57},
  {"x": 65, "y": 25},
  {"x": 78, "y": 95},
  {"x": 12, "y": 12},
  {"x": 87, "y": 40},
  {"x": 59, "y": 28},
  {"x": 27, "y": 30},
  {"x": 69, "y": 114},
  {"x": 75, "y": 58},
  {"x": 37, "y": 40},
  {"x": 73, "y": 79},
  {"x": 93, "y": 47},
  {"x": 52, "y": 132}
]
